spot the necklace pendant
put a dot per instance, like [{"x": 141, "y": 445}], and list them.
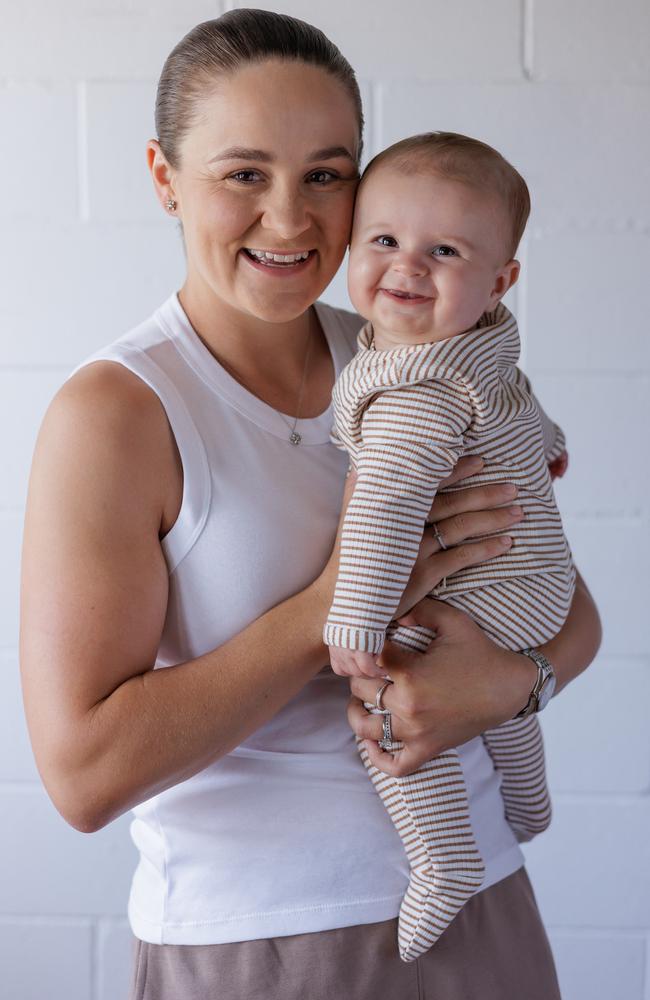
[{"x": 295, "y": 437}]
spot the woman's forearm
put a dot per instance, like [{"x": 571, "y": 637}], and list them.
[
  {"x": 576, "y": 644},
  {"x": 163, "y": 726}
]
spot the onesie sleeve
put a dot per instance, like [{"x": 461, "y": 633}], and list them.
[
  {"x": 554, "y": 439},
  {"x": 412, "y": 438}
]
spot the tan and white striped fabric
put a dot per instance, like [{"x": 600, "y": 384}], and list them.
[{"x": 405, "y": 416}]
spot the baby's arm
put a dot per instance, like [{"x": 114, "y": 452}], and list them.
[
  {"x": 557, "y": 456},
  {"x": 412, "y": 438}
]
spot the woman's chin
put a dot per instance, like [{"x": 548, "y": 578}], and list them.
[{"x": 283, "y": 308}]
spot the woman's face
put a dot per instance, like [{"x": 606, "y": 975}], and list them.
[{"x": 268, "y": 171}]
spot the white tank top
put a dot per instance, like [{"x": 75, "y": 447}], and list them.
[{"x": 286, "y": 834}]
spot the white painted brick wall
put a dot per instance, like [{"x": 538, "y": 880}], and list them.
[{"x": 562, "y": 88}]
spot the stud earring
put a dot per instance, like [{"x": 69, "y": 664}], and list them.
[{"x": 171, "y": 205}]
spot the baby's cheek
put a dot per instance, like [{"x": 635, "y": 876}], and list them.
[{"x": 363, "y": 275}]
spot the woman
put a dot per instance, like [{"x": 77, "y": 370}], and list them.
[{"x": 185, "y": 497}]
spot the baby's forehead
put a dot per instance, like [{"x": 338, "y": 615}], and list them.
[{"x": 420, "y": 180}]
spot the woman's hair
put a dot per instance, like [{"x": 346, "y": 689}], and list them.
[
  {"x": 468, "y": 161},
  {"x": 225, "y": 45}
]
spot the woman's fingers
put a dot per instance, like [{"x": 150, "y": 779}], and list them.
[
  {"x": 472, "y": 524},
  {"x": 468, "y": 554},
  {"x": 365, "y": 724},
  {"x": 468, "y": 465},
  {"x": 404, "y": 761},
  {"x": 448, "y": 505},
  {"x": 366, "y": 690},
  {"x": 430, "y": 571},
  {"x": 443, "y": 619}
]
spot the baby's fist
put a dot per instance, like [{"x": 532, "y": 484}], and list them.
[
  {"x": 354, "y": 663},
  {"x": 559, "y": 465}
]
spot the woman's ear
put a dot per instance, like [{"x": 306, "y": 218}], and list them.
[
  {"x": 162, "y": 175},
  {"x": 505, "y": 279}
]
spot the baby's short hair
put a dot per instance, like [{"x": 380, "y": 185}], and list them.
[{"x": 466, "y": 160}]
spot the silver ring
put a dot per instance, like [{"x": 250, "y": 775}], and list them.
[
  {"x": 437, "y": 535},
  {"x": 387, "y": 742},
  {"x": 379, "y": 708}
]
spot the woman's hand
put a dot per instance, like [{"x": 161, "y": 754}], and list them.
[
  {"x": 458, "y": 517},
  {"x": 463, "y": 685}
]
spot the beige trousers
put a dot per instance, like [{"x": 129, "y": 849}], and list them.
[{"x": 495, "y": 949}]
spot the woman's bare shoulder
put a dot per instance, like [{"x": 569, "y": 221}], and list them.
[
  {"x": 106, "y": 414},
  {"x": 110, "y": 387}
]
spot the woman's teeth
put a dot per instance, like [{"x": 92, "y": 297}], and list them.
[{"x": 265, "y": 257}]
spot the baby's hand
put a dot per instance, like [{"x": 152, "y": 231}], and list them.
[
  {"x": 559, "y": 465},
  {"x": 354, "y": 663}
]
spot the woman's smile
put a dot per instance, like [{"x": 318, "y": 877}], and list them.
[{"x": 283, "y": 262}]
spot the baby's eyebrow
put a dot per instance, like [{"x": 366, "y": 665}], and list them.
[{"x": 261, "y": 156}]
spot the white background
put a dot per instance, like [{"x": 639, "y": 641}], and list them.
[{"x": 561, "y": 87}]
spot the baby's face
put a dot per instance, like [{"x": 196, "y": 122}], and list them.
[{"x": 427, "y": 256}]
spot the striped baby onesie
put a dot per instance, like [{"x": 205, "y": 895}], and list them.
[{"x": 405, "y": 416}]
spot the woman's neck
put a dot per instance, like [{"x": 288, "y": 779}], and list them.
[{"x": 266, "y": 358}]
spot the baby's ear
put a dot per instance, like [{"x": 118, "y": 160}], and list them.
[{"x": 504, "y": 279}]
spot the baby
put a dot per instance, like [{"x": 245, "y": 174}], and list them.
[{"x": 438, "y": 219}]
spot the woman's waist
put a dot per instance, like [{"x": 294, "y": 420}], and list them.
[{"x": 269, "y": 805}]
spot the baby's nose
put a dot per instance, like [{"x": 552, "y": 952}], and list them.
[{"x": 410, "y": 264}]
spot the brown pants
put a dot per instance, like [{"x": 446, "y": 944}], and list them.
[{"x": 495, "y": 949}]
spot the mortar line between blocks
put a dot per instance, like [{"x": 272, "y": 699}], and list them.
[
  {"x": 95, "y": 984},
  {"x": 377, "y": 117},
  {"x": 586, "y": 932},
  {"x": 82, "y": 151},
  {"x": 44, "y": 920},
  {"x": 528, "y": 38}
]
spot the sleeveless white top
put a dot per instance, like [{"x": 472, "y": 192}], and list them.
[{"x": 286, "y": 834}]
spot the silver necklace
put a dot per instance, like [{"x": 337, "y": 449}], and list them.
[{"x": 295, "y": 437}]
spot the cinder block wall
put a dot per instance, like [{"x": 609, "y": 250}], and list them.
[{"x": 562, "y": 88}]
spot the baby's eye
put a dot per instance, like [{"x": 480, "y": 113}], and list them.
[
  {"x": 244, "y": 176},
  {"x": 386, "y": 241},
  {"x": 443, "y": 251}
]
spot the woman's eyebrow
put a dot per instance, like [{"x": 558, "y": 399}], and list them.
[
  {"x": 243, "y": 153},
  {"x": 260, "y": 156},
  {"x": 331, "y": 153}
]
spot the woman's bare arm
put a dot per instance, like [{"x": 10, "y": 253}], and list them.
[
  {"x": 576, "y": 644},
  {"x": 107, "y": 730}
]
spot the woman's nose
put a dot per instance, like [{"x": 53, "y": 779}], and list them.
[{"x": 285, "y": 213}]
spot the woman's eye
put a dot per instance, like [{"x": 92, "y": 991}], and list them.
[
  {"x": 443, "y": 251},
  {"x": 321, "y": 177},
  {"x": 244, "y": 176},
  {"x": 386, "y": 241}
]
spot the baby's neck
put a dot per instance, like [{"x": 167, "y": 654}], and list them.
[{"x": 388, "y": 340}]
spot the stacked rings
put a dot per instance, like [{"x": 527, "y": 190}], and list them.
[{"x": 386, "y": 742}]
